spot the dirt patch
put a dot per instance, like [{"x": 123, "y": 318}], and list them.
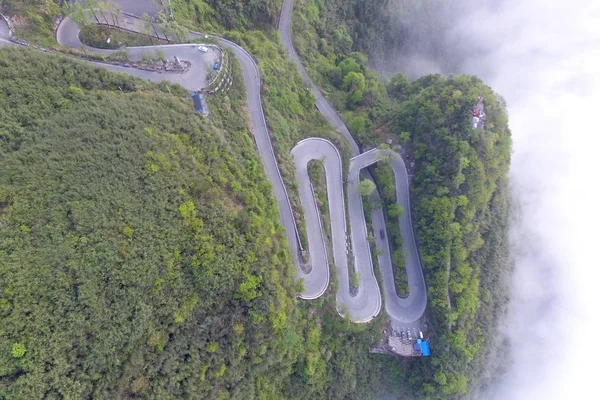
[{"x": 17, "y": 22}]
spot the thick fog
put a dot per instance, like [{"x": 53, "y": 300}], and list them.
[{"x": 543, "y": 57}]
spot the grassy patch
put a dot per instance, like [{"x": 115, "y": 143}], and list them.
[
  {"x": 98, "y": 35},
  {"x": 316, "y": 172}
]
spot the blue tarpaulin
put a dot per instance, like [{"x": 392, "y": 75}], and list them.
[
  {"x": 198, "y": 104},
  {"x": 424, "y": 347}
]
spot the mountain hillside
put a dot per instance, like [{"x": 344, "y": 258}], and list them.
[{"x": 140, "y": 249}]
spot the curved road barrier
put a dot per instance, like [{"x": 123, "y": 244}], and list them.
[{"x": 366, "y": 304}]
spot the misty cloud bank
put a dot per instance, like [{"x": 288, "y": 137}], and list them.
[{"x": 543, "y": 57}]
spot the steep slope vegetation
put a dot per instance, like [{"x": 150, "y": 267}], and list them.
[
  {"x": 216, "y": 15},
  {"x": 140, "y": 250}
]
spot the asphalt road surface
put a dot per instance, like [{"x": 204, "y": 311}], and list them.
[
  {"x": 285, "y": 29},
  {"x": 366, "y": 303},
  {"x": 67, "y": 35}
]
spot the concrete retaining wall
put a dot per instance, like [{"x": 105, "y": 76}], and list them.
[{"x": 10, "y": 28}]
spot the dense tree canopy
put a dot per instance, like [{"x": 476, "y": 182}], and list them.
[
  {"x": 366, "y": 187},
  {"x": 217, "y": 15},
  {"x": 140, "y": 251},
  {"x": 460, "y": 213}
]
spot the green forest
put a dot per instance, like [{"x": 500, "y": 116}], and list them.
[
  {"x": 125, "y": 235},
  {"x": 142, "y": 254},
  {"x": 159, "y": 267},
  {"x": 459, "y": 190}
]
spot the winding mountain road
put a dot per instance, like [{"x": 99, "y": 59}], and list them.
[
  {"x": 404, "y": 312},
  {"x": 366, "y": 303}
]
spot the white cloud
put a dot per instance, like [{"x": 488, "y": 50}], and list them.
[{"x": 544, "y": 58}]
